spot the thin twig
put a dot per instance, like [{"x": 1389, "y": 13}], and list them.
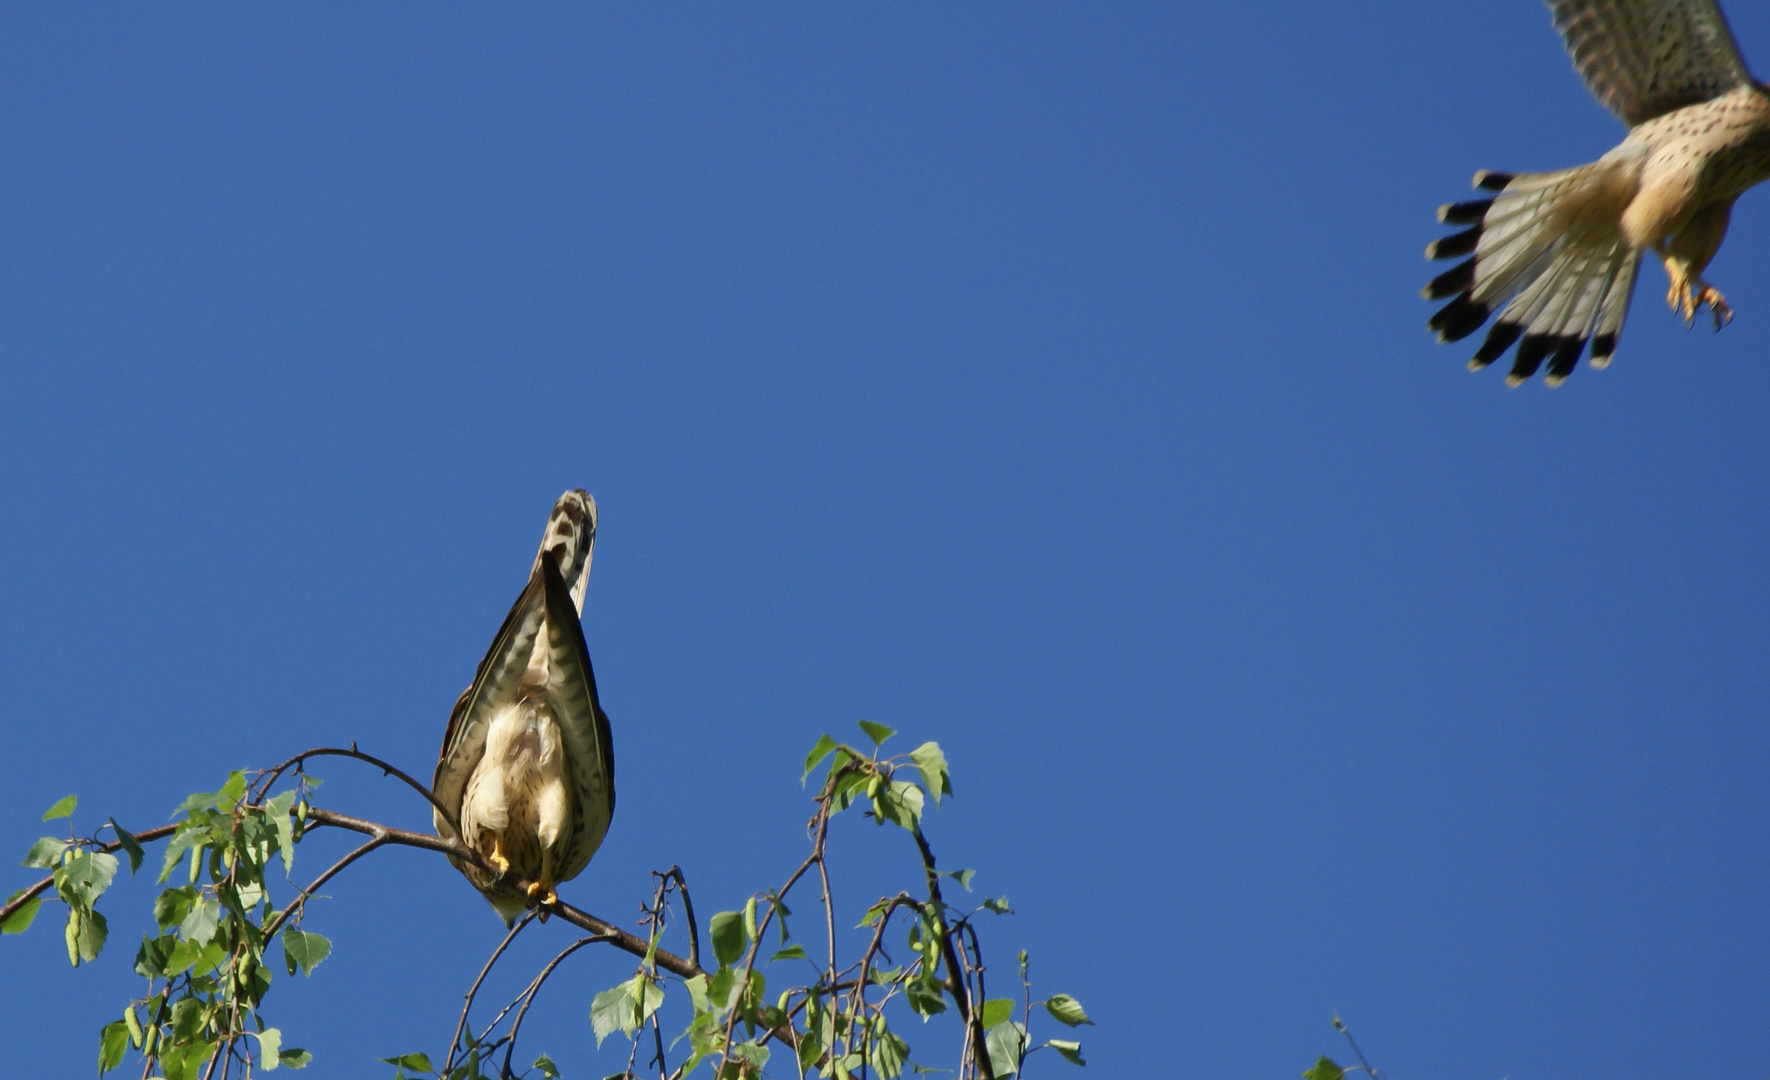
[
  {"x": 955, "y": 983},
  {"x": 271, "y": 775},
  {"x": 467, "y": 1006},
  {"x": 301, "y": 898},
  {"x": 535, "y": 988},
  {"x": 1344, "y": 1030},
  {"x": 658, "y": 1036},
  {"x": 694, "y": 934}
]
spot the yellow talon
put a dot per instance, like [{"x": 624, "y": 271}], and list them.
[
  {"x": 496, "y": 858},
  {"x": 542, "y": 895},
  {"x": 1688, "y": 294}
]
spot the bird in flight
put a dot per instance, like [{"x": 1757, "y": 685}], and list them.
[
  {"x": 527, "y": 766},
  {"x": 1556, "y": 253}
]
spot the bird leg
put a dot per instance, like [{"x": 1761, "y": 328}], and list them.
[
  {"x": 497, "y": 858},
  {"x": 1689, "y": 293},
  {"x": 1686, "y": 254}
]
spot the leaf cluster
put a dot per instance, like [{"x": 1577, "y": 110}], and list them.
[{"x": 205, "y": 962}]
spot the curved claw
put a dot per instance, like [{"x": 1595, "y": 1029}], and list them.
[
  {"x": 1718, "y": 306},
  {"x": 1689, "y": 294},
  {"x": 543, "y": 895}
]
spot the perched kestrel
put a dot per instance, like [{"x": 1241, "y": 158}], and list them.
[
  {"x": 1560, "y": 249},
  {"x": 527, "y": 765}
]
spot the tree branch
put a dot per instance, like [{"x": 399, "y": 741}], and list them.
[
  {"x": 615, "y": 936},
  {"x": 535, "y": 988},
  {"x": 31, "y": 893},
  {"x": 455, "y": 1044},
  {"x": 271, "y": 775},
  {"x": 955, "y": 980}
]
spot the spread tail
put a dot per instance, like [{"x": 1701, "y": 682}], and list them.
[{"x": 1548, "y": 253}]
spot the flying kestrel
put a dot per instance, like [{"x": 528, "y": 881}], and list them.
[
  {"x": 1556, "y": 253},
  {"x": 527, "y": 766}
]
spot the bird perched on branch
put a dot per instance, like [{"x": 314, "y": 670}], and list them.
[
  {"x": 527, "y": 766},
  {"x": 1556, "y": 253}
]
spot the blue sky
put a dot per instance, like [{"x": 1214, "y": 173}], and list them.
[{"x": 1049, "y": 381}]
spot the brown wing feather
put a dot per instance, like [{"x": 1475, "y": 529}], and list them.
[
  {"x": 496, "y": 680},
  {"x": 1645, "y": 58},
  {"x": 589, "y": 747}
]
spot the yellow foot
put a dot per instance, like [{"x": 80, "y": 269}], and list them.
[
  {"x": 497, "y": 859},
  {"x": 1717, "y": 303},
  {"x": 1689, "y": 294},
  {"x": 543, "y": 896}
]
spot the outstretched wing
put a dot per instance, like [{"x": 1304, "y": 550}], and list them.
[
  {"x": 495, "y": 682},
  {"x": 1645, "y": 58},
  {"x": 589, "y": 747}
]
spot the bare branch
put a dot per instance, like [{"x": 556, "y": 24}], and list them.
[
  {"x": 535, "y": 988},
  {"x": 615, "y": 936},
  {"x": 455, "y": 1043},
  {"x": 271, "y": 775},
  {"x": 694, "y": 934}
]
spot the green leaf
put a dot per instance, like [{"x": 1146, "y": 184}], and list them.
[
  {"x": 1066, "y": 1010},
  {"x": 1325, "y": 1069},
  {"x": 697, "y": 993},
  {"x": 64, "y": 807},
  {"x": 304, "y": 950},
  {"x": 819, "y": 751},
  {"x": 173, "y": 905},
  {"x": 45, "y": 853},
  {"x": 202, "y": 921},
  {"x": 625, "y": 1007},
  {"x": 900, "y": 802},
  {"x": 609, "y": 1010},
  {"x": 924, "y": 996},
  {"x": 888, "y": 1053},
  {"x": 876, "y": 732},
  {"x": 278, "y": 810},
  {"x": 231, "y": 792},
  {"x": 20, "y": 921},
  {"x": 791, "y": 952},
  {"x": 1006, "y": 1042},
  {"x": 112, "y": 1041},
  {"x": 211, "y": 957},
  {"x": 1071, "y": 1051},
  {"x": 963, "y": 877},
  {"x": 151, "y": 958},
  {"x": 931, "y": 763},
  {"x": 752, "y": 1052},
  {"x": 999, "y": 905},
  {"x": 130, "y": 844},
  {"x": 270, "y": 1045},
  {"x": 548, "y": 1070},
  {"x": 295, "y": 1057},
  {"x": 418, "y": 1062},
  {"x": 995, "y": 1011},
  {"x": 84, "y": 876},
  {"x": 729, "y": 939},
  {"x": 86, "y": 932},
  {"x": 188, "y": 836}
]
